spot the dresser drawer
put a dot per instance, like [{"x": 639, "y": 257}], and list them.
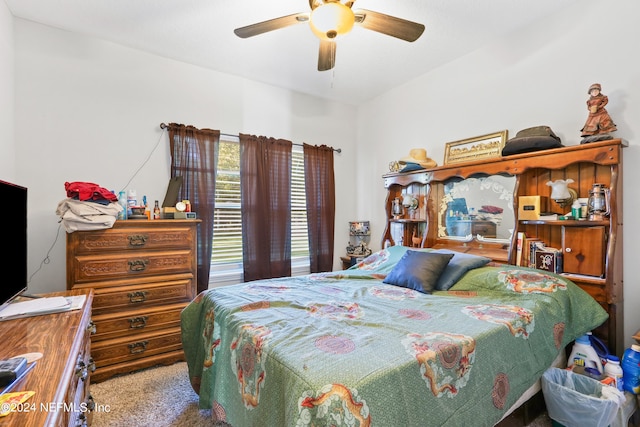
[
  {"x": 130, "y": 323},
  {"x": 140, "y": 295},
  {"x": 134, "y": 237},
  {"x": 125, "y": 349},
  {"x": 88, "y": 268}
]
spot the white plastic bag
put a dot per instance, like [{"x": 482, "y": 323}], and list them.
[{"x": 576, "y": 400}]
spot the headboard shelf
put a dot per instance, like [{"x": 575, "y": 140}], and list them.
[
  {"x": 592, "y": 249},
  {"x": 601, "y": 153}
]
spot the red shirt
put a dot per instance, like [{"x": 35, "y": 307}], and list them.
[{"x": 88, "y": 191}]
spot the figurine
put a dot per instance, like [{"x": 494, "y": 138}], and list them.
[
  {"x": 416, "y": 239},
  {"x": 599, "y": 122}
]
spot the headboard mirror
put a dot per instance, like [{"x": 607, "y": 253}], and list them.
[{"x": 478, "y": 208}]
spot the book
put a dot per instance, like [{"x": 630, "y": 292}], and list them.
[
  {"x": 548, "y": 259},
  {"x": 532, "y": 245},
  {"x": 519, "y": 245},
  {"x": 529, "y": 247}
]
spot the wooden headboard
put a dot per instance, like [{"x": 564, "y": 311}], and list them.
[{"x": 588, "y": 164}]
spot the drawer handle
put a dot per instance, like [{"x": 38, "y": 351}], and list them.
[
  {"x": 138, "y": 322},
  {"x": 81, "y": 371},
  {"x": 138, "y": 264},
  {"x": 138, "y": 296},
  {"x": 81, "y": 421},
  {"x": 91, "y": 403},
  {"x": 91, "y": 327},
  {"x": 138, "y": 240},
  {"x": 138, "y": 347}
]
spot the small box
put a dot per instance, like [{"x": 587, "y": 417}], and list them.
[
  {"x": 548, "y": 259},
  {"x": 529, "y": 207}
]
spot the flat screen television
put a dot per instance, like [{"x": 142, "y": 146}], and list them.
[{"x": 13, "y": 261}]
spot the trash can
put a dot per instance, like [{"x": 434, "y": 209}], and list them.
[{"x": 575, "y": 400}]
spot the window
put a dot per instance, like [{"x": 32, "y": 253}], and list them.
[
  {"x": 226, "y": 256},
  {"x": 227, "y": 225}
]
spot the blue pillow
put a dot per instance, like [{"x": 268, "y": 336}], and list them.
[
  {"x": 418, "y": 270},
  {"x": 458, "y": 267}
]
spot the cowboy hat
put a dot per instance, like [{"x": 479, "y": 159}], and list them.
[{"x": 419, "y": 156}]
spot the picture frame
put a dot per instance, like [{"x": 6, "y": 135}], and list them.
[{"x": 477, "y": 148}]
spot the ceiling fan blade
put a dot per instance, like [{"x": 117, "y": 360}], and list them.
[
  {"x": 272, "y": 24},
  {"x": 327, "y": 55},
  {"x": 389, "y": 25}
]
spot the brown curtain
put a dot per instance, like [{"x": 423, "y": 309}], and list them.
[
  {"x": 321, "y": 205},
  {"x": 265, "y": 188},
  {"x": 194, "y": 157}
]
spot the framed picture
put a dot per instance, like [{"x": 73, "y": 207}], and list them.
[{"x": 478, "y": 148}]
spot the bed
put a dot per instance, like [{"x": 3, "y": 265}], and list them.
[{"x": 347, "y": 349}]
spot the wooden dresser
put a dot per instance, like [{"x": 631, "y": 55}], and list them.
[
  {"x": 143, "y": 274},
  {"x": 61, "y": 377}
]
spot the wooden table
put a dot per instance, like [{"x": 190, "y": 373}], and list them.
[{"x": 60, "y": 379}]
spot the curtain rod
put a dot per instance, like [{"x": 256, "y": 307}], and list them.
[{"x": 165, "y": 126}]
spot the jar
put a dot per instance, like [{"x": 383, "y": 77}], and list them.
[
  {"x": 576, "y": 210},
  {"x": 614, "y": 370}
]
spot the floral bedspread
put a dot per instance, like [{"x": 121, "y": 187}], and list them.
[{"x": 344, "y": 349}]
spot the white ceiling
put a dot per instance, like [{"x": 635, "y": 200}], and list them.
[{"x": 200, "y": 32}]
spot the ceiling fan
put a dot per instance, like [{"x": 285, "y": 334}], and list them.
[{"x": 331, "y": 19}]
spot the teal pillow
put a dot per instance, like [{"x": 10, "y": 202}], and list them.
[
  {"x": 383, "y": 261},
  {"x": 418, "y": 270},
  {"x": 458, "y": 267}
]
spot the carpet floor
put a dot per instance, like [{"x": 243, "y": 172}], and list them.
[
  {"x": 154, "y": 397},
  {"x": 162, "y": 397}
]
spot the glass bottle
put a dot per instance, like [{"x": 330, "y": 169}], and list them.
[{"x": 156, "y": 210}]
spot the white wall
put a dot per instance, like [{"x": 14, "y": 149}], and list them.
[
  {"x": 90, "y": 110},
  {"x": 7, "y": 157},
  {"x": 537, "y": 76}
]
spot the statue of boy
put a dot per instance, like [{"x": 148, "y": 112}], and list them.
[{"x": 599, "y": 122}]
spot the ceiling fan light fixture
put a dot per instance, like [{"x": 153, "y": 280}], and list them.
[{"x": 331, "y": 20}]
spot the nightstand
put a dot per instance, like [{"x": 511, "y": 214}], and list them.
[{"x": 349, "y": 260}]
